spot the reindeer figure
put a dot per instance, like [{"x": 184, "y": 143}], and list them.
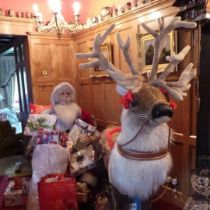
[{"x": 140, "y": 161}]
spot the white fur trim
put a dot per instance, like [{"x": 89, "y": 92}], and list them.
[
  {"x": 67, "y": 115},
  {"x": 57, "y": 89},
  {"x": 134, "y": 177}
]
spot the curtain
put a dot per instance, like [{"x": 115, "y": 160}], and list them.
[{"x": 7, "y": 80}]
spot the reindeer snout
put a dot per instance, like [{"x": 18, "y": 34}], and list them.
[{"x": 161, "y": 110}]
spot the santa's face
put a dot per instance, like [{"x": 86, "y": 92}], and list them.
[{"x": 64, "y": 97}]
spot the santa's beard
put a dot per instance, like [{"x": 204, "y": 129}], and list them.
[{"x": 66, "y": 114}]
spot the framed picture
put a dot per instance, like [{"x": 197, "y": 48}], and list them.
[
  {"x": 146, "y": 51},
  {"x": 107, "y": 49}
]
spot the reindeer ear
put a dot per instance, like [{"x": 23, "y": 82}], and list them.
[{"x": 121, "y": 90}]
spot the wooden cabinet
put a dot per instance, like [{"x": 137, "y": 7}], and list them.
[{"x": 52, "y": 60}]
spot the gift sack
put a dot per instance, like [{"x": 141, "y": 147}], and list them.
[
  {"x": 57, "y": 192},
  {"x": 38, "y": 122},
  {"x": 46, "y": 159}
]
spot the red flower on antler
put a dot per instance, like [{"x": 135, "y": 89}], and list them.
[
  {"x": 173, "y": 105},
  {"x": 127, "y": 99},
  {"x": 165, "y": 92}
]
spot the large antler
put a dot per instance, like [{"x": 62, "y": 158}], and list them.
[
  {"x": 134, "y": 82},
  {"x": 160, "y": 39},
  {"x": 129, "y": 82},
  {"x": 176, "y": 89},
  {"x": 124, "y": 48}
]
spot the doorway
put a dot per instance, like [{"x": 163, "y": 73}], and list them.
[
  {"x": 15, "y": 88},
  {"x": 203, "y": 129}
]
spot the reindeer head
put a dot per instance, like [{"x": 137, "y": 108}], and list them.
[
  {"x": 149, "y": 103},
  {"x": 148, "y": 99}
]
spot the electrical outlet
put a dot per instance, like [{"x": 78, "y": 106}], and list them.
[{"x": 44, "y": 72}]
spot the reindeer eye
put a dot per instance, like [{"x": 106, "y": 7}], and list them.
[{"x": 134, "y": 103}]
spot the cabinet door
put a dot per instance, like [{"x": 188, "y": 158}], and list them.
[{"x": 52, "y": 61}]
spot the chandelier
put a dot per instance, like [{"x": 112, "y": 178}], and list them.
[{"x": 57, "y": 23}]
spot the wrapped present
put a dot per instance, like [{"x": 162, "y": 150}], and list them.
[
  {"x": 82, "y": 160},
  {"x": 82, "y": 157},
  {"x": 57, "y": 192},
  {"x": 38, "y": 109},
  {"x": 47, "y": 137},
  {"x": 51, "y": 137},
  {"x": 38, "y": 122},
  {"x": 63, "y": 138},
  {"x": 79, "y": 130},
  {"x": 21, "y": 183},
  {"x": 15, "y": 194},
  {"x": 42, "y": 137}
]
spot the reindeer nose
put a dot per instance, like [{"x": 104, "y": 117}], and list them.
[{"x": 161, "y": 110}]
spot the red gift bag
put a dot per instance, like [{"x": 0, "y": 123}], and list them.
[{"x": 57, "y": 192}]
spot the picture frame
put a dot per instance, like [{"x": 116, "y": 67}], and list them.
[
  {"x": 146, "y": 51},
  {"x": 107, "y": 50}
]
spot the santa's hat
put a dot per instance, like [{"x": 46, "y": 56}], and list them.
[{"x": 59, "y": 88}]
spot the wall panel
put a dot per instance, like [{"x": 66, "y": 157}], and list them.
[
  {"x": 85, "y": 99},
  {"x": 52, "y": 60},
  {"x": 112, "y": 105}
]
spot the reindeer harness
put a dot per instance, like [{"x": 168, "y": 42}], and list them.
[{"x": 135, "y": 155}]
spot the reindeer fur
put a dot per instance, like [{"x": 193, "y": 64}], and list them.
[{"x": 139, "y": 178}]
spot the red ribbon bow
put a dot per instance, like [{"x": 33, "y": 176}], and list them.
[
  {"x": 127, "y": 99},
  {"x": 173, "y": 105},
  {"x": 165, "y": 92}
]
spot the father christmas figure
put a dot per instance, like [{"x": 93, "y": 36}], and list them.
[
  {"x": 64, "y": 106},
  {"x": 67, "y": 111}
]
